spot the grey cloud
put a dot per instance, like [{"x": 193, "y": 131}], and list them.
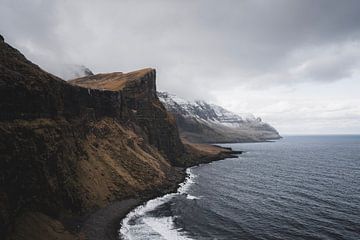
[
  {"x": 327, "y": 69},
  {"x": 328, "y": 63},
  {"x": 204, "y": 44}
]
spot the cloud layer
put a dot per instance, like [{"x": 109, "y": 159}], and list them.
[{"x": 208, "y": 49}]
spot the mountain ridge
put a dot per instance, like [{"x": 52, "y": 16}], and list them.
[{"x": 199, "y": 121}]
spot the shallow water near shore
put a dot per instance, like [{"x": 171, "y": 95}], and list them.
[{"x": 301, "y": 187}]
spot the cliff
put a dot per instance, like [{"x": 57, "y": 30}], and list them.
[
  {"x": 137, "y": 97},
  {"x": 67, "y": 149}
]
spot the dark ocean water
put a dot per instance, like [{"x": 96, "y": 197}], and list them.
[{"x": 303, "y": 187}]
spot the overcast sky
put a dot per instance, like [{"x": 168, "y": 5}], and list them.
[{"x": 296, "y": 64}]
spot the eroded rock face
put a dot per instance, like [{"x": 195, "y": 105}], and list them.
[
  {"x": 136, "y": 93},
  {"x": 66, "y": 149}
]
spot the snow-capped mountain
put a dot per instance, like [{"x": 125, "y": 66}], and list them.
[{"x": 199, "y": 121}]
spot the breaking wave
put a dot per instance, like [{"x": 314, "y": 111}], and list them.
[{"x": 142, "y": 224}]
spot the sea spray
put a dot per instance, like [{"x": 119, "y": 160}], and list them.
[{"x": 137, "y": 225}]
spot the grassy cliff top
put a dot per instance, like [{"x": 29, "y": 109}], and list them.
[{"x": 111, "y": 81}]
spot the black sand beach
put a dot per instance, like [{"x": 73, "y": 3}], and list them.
[{"x": 104, "y": 223}]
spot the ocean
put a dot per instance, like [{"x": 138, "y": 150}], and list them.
[{"x": 300, "y": 187}]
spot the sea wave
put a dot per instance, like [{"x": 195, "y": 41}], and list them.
[{"x": 139, "y": 225}]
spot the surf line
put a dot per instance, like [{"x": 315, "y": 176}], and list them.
[{"x": 140, "y": 211}]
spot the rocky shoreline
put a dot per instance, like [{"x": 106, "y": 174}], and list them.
[{"x": 105, "y": 223}]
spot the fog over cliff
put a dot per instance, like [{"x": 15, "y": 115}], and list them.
[{"x": 293, "y": 63}]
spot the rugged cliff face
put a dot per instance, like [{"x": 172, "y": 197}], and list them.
[
  {"x": 66, "y": 149},
  {"x": 137, "y": 95},
  {"x": 69, "y": 148}
]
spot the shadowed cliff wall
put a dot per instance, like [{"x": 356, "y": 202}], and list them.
[{"x": 65, "y": 149}]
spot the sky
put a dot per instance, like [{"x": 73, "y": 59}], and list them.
[{"x": 295, "y": 64}]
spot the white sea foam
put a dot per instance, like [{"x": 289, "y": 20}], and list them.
[
  {"x": 137, "y": 225},
  {"x": 184, "y": 186},
  {"x": 165, "y": 228},
  {"x": 191, "y": 197}
]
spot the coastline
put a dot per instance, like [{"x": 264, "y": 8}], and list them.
[
  {"x": 105, "y": 223},
  {"x": 179, "y": 185}
]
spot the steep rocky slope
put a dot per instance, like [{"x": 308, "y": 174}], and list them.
[
  {"x": 199, "y": 121},
  {"x": 67, "y": 149}
]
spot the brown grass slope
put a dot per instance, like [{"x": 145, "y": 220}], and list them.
[{"x": 111, "y": 81}]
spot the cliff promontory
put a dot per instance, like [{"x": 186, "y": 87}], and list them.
[{"x": 68, "y": 148}]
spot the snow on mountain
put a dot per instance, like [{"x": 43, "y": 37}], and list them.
[
  {"x": 205, "y": 111},
  {"x": 200, "y": 121}
]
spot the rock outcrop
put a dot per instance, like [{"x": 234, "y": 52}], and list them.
[
  {"x": 69, "y": 148},
  {"x": 137, "y": 95}
]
